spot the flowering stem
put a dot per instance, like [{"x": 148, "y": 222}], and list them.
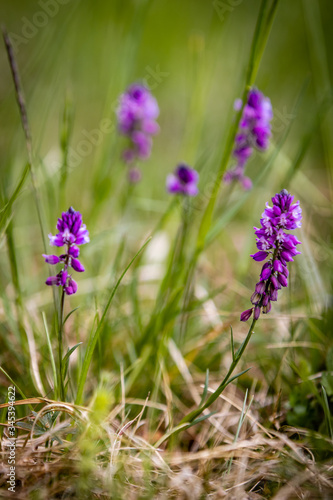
[
  {"x": 236, "y": 357},
  {"x": 60, "y": 347}
]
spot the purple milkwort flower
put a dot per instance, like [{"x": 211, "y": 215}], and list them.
[
  {"x": 254, "y": 132},
  {"x": 136, "y": 114},
  {"x": 280, "y": 248},
  {"x": 184, "y": 181},
  {"x": 72, "y": 233}
]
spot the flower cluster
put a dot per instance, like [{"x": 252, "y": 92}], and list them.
[
  {"x": 136, "y": 114},
  {"x": 279, "y": 246},
  {"x": 183, "y": 181},
  {"x": 72, "y": 233},
  {"x": 254, "y": 132}
]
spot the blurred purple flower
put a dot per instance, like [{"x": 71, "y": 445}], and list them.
[
  {"x": 136, "y": 115},
  {"x": 72, "y": 233},
  {"x": 280, "y": 248},
  {"x": 254, "y": 132},
  {"x": 183, "y": 181}
]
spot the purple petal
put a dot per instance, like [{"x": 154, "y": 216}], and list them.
[
  {"x": 82, "y": 235},
  {"x": 51, "y": 259},
  {"x": 173, "y": 184},
  {"x": 266, "y": 309},
  {"x": 256, "y": 312},
  {"x": 287, "y": 256},
  {"x": 186, "y": 174},
  {"x": 246, "y": 314},
  {"x": 277, "y": 266},
  {"x": 273, "y": 294},
  {"x": 255, "y": 298},
  {"x": 77, "y": 266},
  {"x": 73, "y": 251},
  {"x": 283, "y": 280},
  {"x": 52, "y": 280},
  {"x": 260, "y": 287},
  {"x": 71, "y": 288},
  {"x": 191, "y": 189},
  {"x": 265, "y": 273},
  {"x": 275, "y": 282},
  {"x": 63, "y": 277},
  {"x": 265, "y": 300},
  {"x": 259, "y": 256},
  {"x": 56, "y": 241}
]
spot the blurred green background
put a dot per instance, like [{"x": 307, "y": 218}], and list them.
[
  {"x": 194, "y": 56},
  {"x": 75, "y": 58}
]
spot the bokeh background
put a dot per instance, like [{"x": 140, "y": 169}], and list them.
[{"x": 79, "y": 56}]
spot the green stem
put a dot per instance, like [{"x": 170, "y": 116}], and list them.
[
  {"x": 194, "y": 414},
  {"x": 60, "y": 345},
  {"x": 188, "y": 420}
]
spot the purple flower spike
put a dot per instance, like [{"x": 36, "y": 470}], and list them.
[
  {"x": 280, "y": 248},
  {"x": 183, "y": 181},
  {"x": 72, "y": 233},
  {"x": 136, "y": 115},
  {"x": 255, "y": 131}
]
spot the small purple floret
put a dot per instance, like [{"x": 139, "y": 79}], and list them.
[
  {"x": 71, "y": 234},
  {"x": 280, "y": 248},
  {"x": 183, "y": 181},
  {"x": 51, "y": 259},
  {"x": 254, "y": 132}
]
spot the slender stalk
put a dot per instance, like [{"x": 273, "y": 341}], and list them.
[
  {"x": 194, "y": 414},
  {"x": 60, "y": 345},
  {"x": 190, "y": 418}
]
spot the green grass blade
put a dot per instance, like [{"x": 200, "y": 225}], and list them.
[{"x": 95, "y": 335}]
